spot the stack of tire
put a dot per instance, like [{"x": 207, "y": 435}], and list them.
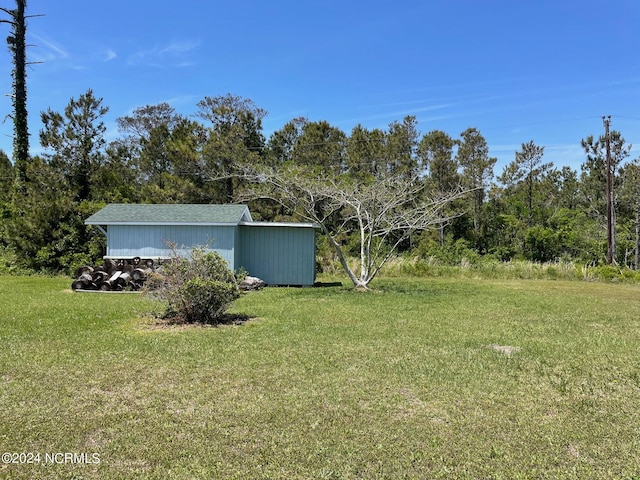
[{"x": 114, "y": 275}]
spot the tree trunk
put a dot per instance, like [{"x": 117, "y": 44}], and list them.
[
  {"x": 18, "y": 47},
  {"x": 341, "y": 257},
  {"x": 637, "y": 259},
  {"x": 530, "y": 199},
  {"x": 441, "y": 226}
]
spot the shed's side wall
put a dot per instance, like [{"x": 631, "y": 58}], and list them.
[
  {"x": 150, "y": 241},
  {"x": 278, "y": 255}
]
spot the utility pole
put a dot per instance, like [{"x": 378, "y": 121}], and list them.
[{"x": 610, "y": 254}]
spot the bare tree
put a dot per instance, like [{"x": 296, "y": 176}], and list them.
[{"x": 384, "y": 211}]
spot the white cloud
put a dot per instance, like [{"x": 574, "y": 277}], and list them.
[
  {"x": 47, "y": 50},
  {"x": 172, "y": 55},
  {"x": 180, "y": 47},
  {"x": 110, "y": 55}
]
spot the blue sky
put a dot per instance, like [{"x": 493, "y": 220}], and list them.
[{"x": 517, "y": 70}]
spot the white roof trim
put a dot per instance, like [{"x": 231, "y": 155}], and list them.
[{"x": 279, "y": 224}]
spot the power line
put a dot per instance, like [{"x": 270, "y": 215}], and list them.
[{"x": 625, "y": 117}]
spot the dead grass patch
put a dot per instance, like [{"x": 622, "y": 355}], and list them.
[
  {"x": 172, "y": 324},
  {"x": 507, "y": 350}
]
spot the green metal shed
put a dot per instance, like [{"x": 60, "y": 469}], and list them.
[
  {"x": 278, "y": 253},
  {"x": 283, "y": 253}
]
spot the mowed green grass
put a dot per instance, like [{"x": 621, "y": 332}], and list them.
[{"x": 422, "y": 378}]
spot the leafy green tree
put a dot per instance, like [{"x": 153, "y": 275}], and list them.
[
  {"x": 400, "y": 148},
  {"x": 321, "y": 146},
  {"x": 144, "y": 120},
  {"x": 234, "y": 115},
  {"x": 185, "y": 149},
  {"x": 279, "y": 150},
  {"x": 155, "y": 159},
  {"x": 116, "y": 180},
  {"x": 524, "y": 201},
  {"x": 365, "y": 152},
  {"x": 6, "y": 176},
  {"x": 630, "y": 205},
  {"x": 6, "y": 197},
  {"x": 281, "y": 142},
  {"x": 477, "y": 171},
  {"x": 75, "y": 141},
  {"x": 565, "y": 235},
  {"x": 435, "y": 153},
  {"x": 165, "y": 151},
  {"x": 46, "y": 228},
  {"x": 525, "y": 175},
  {"x": 567, "y": 185},
  {"x": 234, "y": 137},
  {"x": 146, "y": 131}
]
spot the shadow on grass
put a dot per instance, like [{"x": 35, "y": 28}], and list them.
[{"x": 327, "y": 284}]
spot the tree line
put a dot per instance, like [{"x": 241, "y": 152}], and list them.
[{"x": 531, "y": 210}]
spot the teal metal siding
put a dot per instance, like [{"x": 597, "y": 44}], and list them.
[
  {"x": 279, "y": 255},
  {"x": 150, "y": 241},
  {"x": 236, "y": 248}
]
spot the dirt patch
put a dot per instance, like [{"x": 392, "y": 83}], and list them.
[
  {"x": 228, "y": 319},
  {"x": 507, "y": 350}
]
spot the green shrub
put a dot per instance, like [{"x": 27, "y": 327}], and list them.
[
  {"x": 197, "y": 289},
  {"x": 610, "y": 273},
  {"x": 9, "y": 264},
  {"x": 452, "y": 253},
  {"x": 204, "y": 300}
]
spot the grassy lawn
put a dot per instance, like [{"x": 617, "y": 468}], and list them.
[{"x": 423, "y": 378}]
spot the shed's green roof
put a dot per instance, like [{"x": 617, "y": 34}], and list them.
[{"x": 132, "y": 214}]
